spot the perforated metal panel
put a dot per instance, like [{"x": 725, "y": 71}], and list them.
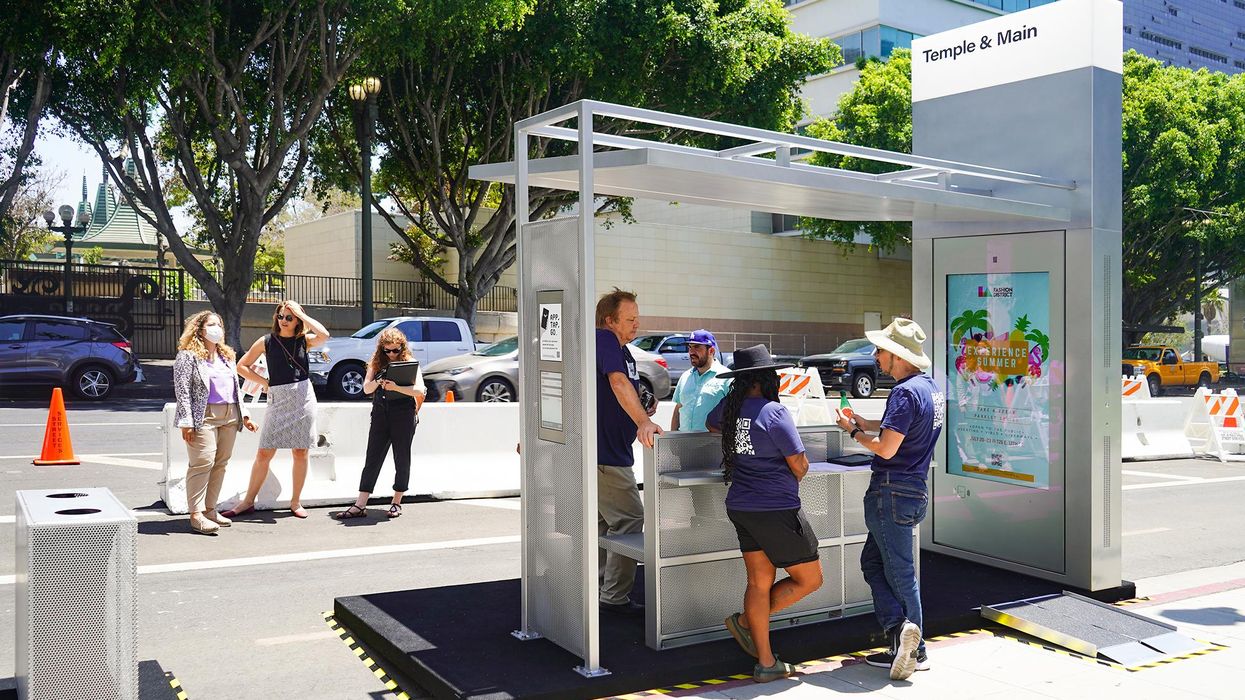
[
  {"x": 854, "y": 486},
  {"x": 855, "y": 590},
  {"x": 554, "y": 484},
  {"x": 77, "y": 610},
  {"x": 820, "y": 499}
]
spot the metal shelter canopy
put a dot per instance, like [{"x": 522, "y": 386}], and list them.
[{"x": 930, "y": 189}]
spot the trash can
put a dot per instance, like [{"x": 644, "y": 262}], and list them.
[{"x": 77, "y": 604}]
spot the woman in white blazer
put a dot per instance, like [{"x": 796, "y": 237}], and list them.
[{"x": 210, "y": 414}]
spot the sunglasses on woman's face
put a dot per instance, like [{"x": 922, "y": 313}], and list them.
[
  {"x": 393, "y": 351},
  {"x": 287, "y": 317}
]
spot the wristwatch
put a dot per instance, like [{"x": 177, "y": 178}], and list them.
[{"x": 852, "y": 434}]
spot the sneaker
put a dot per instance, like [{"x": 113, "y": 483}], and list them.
[
  {"x": 906, "y": 650},
  {"x": 884, "y": 659},
  {"x": 741, "y": 635},
  {"x": 629, "y": 608},
  {"x": 765, "y": 674}
]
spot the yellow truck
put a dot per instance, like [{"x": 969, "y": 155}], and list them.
[{"x": 1162, "y": 367}]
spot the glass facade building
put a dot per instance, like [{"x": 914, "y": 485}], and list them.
[{"x": 1188, "y": 33}]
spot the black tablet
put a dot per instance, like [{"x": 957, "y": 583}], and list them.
[{"x": 402, "y": 374}]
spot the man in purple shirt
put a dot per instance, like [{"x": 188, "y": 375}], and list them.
[
  {"x": 898, "y": 497},
  {"x": 621, "y": 417}
]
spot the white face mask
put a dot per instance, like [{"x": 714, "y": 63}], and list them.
[{"x": 214, "y": 334}]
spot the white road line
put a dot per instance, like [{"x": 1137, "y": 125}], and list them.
[
  {"x": 89, "y": 457},
  {"x": 490, "y": 503},
  {"x": 1190, "y": 482},
  {"x": 1155, "y": 475},
  {"x": 312, "y": 556},
  {"x": 123, "y": 462},
  {"x": 295, "y": 638},
  {"x": 1151, "y": 531},
  {"x": 72, "y": 425}
]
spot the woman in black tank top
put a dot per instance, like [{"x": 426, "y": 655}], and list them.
[{"x": 290, "y": 417}]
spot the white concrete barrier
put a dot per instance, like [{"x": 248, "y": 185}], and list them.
[
  {"x": 461, "y": 450},
  {"x": 1154, "y": 429}
]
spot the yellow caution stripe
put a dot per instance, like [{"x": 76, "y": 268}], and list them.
[
  {"x": 176, "y": 685},
  {"x": 1210, "y": 647},
  {"x": 356, "y": 649}
]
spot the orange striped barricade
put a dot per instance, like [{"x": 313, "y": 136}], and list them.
[
  {"x": 801, "y": 391},
  {"x": 1216, "y": 425},
  {"x": 1134, "y": 388}
]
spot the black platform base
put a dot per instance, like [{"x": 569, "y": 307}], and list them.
[{"x": 456, "y": 643}]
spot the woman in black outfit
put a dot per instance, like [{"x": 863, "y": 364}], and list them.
[{"x": 394, "y": 417}]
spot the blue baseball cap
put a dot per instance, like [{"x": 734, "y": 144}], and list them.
[{"x": 703, "y": 337}]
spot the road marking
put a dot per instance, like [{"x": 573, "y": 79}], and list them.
[
  {"x": 1193, "y": 481},
  {"x": 491, "y": 503},
  {"x": 295, "y": 638},
  {"x": 123, "y": 462},
  {"x": 82, "y": 457},
  {"x": 1156, "y": 475},
  {"x": 312, "y": 556},
  {"x": 1151, "y": 531},
  {"x": 71, "y": 425}
]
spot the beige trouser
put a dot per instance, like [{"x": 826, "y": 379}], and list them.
[
  {"x": 619, "y": 512},
  {"x": 209, "y": 450}
]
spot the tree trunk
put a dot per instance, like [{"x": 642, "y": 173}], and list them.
[{"x": 465, "y": 308}]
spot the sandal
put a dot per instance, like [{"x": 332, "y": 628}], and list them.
[
  {"x": 395, "y": 510},
  {"x": 353, "y": 511}
]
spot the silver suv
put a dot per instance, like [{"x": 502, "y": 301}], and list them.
[{"x": 89, "y": 357}]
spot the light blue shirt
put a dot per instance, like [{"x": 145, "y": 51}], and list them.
[{"x": 697, "y": 394}]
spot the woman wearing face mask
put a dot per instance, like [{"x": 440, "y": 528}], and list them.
[
  {"x": 209, "y": 412},
  {"x": 290, "y": 421}
]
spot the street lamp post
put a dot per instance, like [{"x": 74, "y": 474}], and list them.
[
  {"x": 365, "y": 92},
  {"x": 69, "y": 231}
]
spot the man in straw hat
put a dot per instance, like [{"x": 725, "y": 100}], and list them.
[{"x": 902, "y": 444}]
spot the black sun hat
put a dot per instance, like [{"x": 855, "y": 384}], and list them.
[{"x": 752, "y": 359}]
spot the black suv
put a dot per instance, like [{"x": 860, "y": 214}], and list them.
[
  {"x": 852, "y": 366},
  {"x": 89, "y": 357}
]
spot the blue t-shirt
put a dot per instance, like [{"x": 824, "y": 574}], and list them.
[
  {"x": 765, "y": 436},
  {"x": 916, "y": 409},
  {"x": 615, "y": 429}
]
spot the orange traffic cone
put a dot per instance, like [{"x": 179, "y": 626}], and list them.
[
  {"x": 57, "y": 447},
  {"x": 449, "y": 396}
]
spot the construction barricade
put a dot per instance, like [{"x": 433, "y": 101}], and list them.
[
  {"x": 800, "y": 390},
  {"x": 1216, "y": 425},
  {"x": 1151, "y": 428},
  {"x": 1134, "y": 388}
]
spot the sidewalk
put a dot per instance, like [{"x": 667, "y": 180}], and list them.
[{"x": 1208, "y": 605}]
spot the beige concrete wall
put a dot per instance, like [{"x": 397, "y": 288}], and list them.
[{"x": 329, "y": 247}]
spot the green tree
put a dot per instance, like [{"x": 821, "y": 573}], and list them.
[
  {"x": 466, "y": 72},
  {"x": 218, "y": 98},
  {"x": 92, "y": 256},
  {"x": 1183, "y": 150},
  {"x": 22, "y": 232},
  {"x": 26, "y": 55}
]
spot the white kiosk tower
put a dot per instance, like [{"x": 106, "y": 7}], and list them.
[{"x": 1025, "y": 319}]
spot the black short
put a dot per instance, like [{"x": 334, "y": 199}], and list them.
[{"x": 784, "y": 535}]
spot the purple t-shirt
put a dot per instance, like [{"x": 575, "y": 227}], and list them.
[
  {"x": 615, "y": 429},
  {"x": 915, "y": 409},
  {"x": 222, "y": 382},
  {"x": 765, "y": 436}
]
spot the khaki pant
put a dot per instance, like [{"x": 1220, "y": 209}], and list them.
[
  {"x": 209, "y": 450},
  {"x": 619, "y": 512}
]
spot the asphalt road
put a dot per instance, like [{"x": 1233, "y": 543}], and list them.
[{"x": 240, "y": 614}]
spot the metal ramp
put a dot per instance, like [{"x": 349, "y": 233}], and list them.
[{"x": 1094, "y": 629}]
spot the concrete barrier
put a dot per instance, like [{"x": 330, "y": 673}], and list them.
[
  {"x": 1154, "y": 429},
  {"x": 461, "y": 450}
]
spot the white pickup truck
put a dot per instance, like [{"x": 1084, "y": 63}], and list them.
[{"x": 342, "y": 362}]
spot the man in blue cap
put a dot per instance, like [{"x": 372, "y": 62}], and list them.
[{"x": 699, "y": 390}]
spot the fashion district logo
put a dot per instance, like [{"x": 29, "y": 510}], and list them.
[
  {"x": 743, "y": 437},
  {"x": 1004, "y": 292}
]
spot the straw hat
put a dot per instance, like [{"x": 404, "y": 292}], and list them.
[{"x": 903, "y": 339}]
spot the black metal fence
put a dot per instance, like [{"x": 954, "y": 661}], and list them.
[
  {"x": 346, "y": 291},
  {"x": 145, "y": 303}
]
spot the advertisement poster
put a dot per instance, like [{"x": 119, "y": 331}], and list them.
[
  {"x": 998, "y": 378},
  {"x": 551, "y": 332}
]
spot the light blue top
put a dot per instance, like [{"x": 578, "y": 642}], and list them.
[{"x": 697, "y": 394}]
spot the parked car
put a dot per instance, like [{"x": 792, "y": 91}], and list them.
[
  {"x": 341, "y": 363},
  {"x": 673, "y": 349},
  {"x": 492, "y": 374},
  {"x": 91, "y": 358},
  {"x": 852, "y": 366}
]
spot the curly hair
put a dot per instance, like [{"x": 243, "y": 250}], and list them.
[
  {"x": 192, "y": 337},
  {"x": 767, "y": 379},
  {"x": 389, "y": 336}
]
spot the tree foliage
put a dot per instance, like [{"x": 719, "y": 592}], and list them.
[
  {"x": 219, "y": 99},
  {"x": 452, "y": 94},
  {"x": 1183, "y": 151},
  {"x": 22, "y": 232}
]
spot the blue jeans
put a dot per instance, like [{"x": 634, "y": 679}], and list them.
[{"x": 893, "y": 509}]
